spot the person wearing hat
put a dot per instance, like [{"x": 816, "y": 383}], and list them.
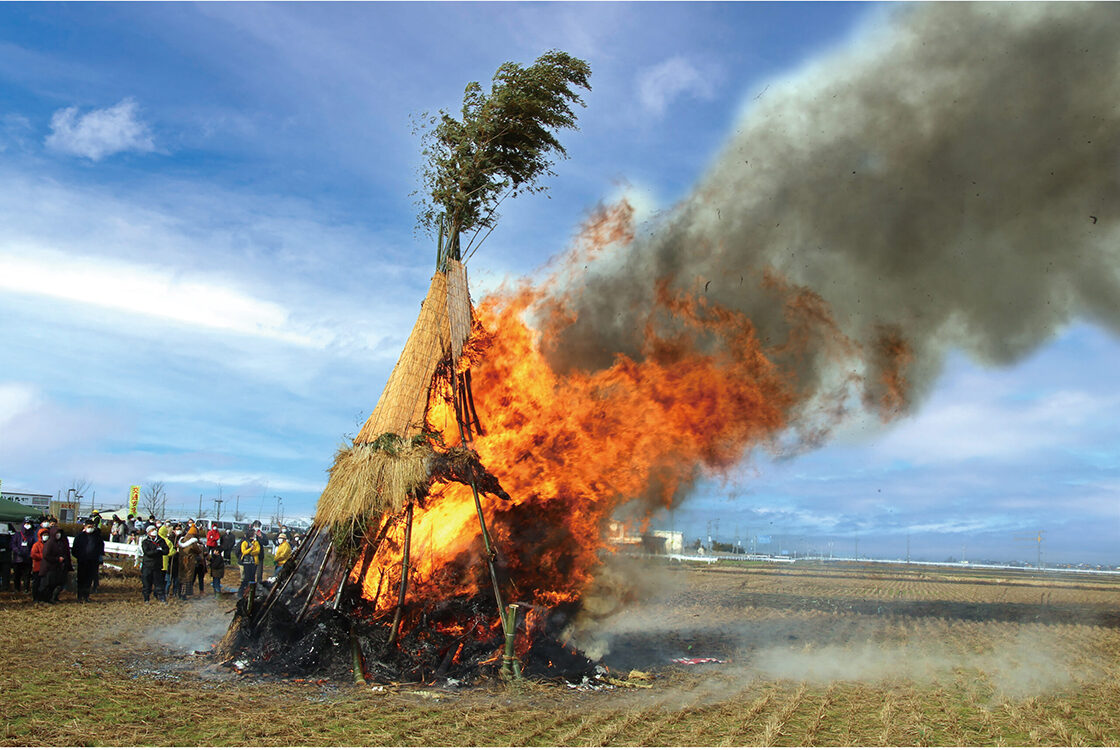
[
  {"x": 250, "y": 559},
  {"x": 165, "y": 533},
  {"x": 283, "y": 552},
  {"x": 154, "y": 551}
]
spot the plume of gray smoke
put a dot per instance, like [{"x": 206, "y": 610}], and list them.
[{"x": 953, "y": 177}]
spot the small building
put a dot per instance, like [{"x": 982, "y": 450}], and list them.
[{"x": 42, "y": 503}]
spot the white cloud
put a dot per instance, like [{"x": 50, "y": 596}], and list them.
[
  {"x": 666, "y": 81},
  {"x": 234, "y": 479},
  {"x": 16, "y": 399},
  {"x": 101, "y": 132},
  {"x": 148, "y": 291}
]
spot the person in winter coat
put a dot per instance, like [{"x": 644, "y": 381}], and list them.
[
  {"x": 22, "y": 541},
  {"x": 87, "y": 550},
  {"x": 37, "y": 566},
  {"x": 52, "y": 568},
  {"x": 213, "y": 537},
  {"x": 190, "y": 559},
  {"x": 168, "y": 557},
  {"x": 227, "y": 543},
  {"x": 250, "y": 558},
  {"x": 262, "y": 540},
  {"x": 154, "y": 554},
  {"x": 217, "y": 565},
  {"x": 7, "y": 531},
  {"x": 283, "y": 552}
]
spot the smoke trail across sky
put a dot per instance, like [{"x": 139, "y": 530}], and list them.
[{"x": 947, "y": 181}]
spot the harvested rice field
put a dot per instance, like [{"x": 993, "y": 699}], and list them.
[{"x": 788, "y": 654}]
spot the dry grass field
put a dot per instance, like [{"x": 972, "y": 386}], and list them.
[{"x": 811, "y": 655}]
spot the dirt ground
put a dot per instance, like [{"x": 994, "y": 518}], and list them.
[{"x": 809, "y": 654}]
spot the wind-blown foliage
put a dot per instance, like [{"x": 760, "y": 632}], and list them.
[{"x": 503, "y": 143}]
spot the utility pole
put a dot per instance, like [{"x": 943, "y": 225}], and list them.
[
  {"x": 200, "y": 505},
  {"x": 907, "y": 548},
  {"x": 709, "y": 536},
  {"x": 218, "y": 513},
  {"x": 1037, "y": 539}
]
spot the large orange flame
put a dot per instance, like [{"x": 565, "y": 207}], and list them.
[{"x": 571, "y": 448}]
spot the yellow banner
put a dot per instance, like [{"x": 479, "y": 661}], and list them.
[{"x": 133, "y": 499}]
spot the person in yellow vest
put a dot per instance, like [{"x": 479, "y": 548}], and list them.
[
  {"x": 250, "y": 558},
  {"x": 283, "y": 552},
  {"x": 165, "y": 534}
]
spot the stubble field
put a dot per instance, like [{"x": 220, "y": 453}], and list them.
[{"x": 810, "y": 654}]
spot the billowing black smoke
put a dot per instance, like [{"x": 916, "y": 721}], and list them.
[{"x": 953, "y": 179}]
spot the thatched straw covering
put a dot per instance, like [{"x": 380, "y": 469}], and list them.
[
  {"x": 391, "y": 461},
  {"x": 444, "y": 324},
  {"x": 366, "y": 478}
]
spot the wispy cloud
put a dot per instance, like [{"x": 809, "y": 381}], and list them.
[
  {"x": 15, "y": 399},
  {"x": 660, "y": 85},
  {"x": 100, "y": 132},
  {"x": 147, "y": 291}
]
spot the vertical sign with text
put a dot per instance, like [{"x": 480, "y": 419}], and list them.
[{"x": 133, "y": 499}]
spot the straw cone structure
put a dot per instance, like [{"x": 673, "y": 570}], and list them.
[{"x": 390, "y": 462}]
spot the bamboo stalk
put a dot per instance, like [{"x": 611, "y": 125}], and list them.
[
  {"x": 490, "y": 555},
  {"x": 470, "y": 403},
  {"x": 356, "y": 652},
  {"x": 314, "y": 585},
  {"x": 276, "y": 591},
  {"x": 463, "y": 414},
  {"x": 510, "y": 668},
  {"x": 395, "y": 630}
]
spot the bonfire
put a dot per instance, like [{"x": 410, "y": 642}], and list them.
[{"x": 391, "y": 584}]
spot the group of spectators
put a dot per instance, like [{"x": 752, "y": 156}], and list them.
[
  {"x": 172, "y": 558},
  {"x": 37, "y": 557}
]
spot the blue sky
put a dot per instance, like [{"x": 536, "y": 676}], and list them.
[{"x": 208, "y": 261}]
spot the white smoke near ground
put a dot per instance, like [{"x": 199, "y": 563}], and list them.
[
  {"x": 949, "y": 179},
  {"x": 199, "y": 628}
]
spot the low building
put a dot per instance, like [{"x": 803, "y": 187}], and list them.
[{"x": 35, "y": 500}]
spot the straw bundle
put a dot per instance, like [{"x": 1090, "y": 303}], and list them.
[
  {"x": 391, "y": 461},
  {"x": 442, "y": 327}
]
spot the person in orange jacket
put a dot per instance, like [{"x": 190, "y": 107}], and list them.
[{"x": 36, "y": 564}]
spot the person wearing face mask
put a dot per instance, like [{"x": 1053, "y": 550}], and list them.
[
  {"x": 56, "y": 558},
  {"x": 153, "y": 550},
  {"x": 87, "y": 551},
  {"x": 22, "y": 542},
  {"x": 37, "y": 566},
  {"x": 165, "y": 533},
  {"x": 250, "y": 559}
]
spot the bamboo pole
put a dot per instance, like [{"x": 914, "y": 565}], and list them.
[
  {"x": 395, "y": 630},
  {"x": 470, "y": 403},
  {"x": 276, "y": 591},
  {"x": 356, "y": 652},
  {"x": 314, "y": 584},
  {"x": 510, "y": 668}
]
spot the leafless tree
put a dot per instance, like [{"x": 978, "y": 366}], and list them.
[{"x": 154, "y": 500}]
